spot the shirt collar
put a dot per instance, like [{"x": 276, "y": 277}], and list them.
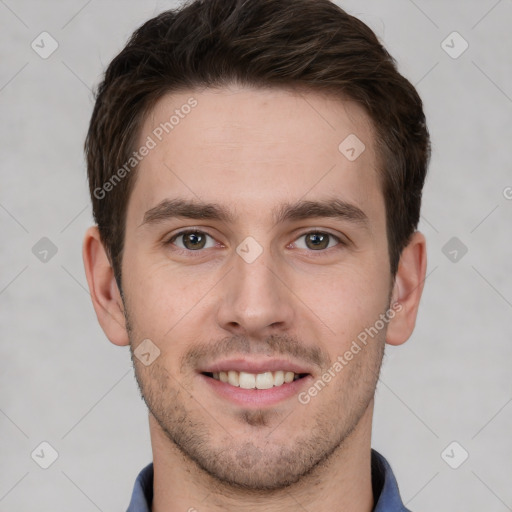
[{"x": 385, "y": 488}]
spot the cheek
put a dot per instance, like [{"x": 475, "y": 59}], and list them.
[
  {"x": 151, "y": 306},
  {"x": 348, "y": 301},
  {"x": 166, "y": 304}
]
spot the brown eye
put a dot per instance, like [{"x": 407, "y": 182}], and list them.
[
  {"x": 318, "y": 240},
  {"x": 190, "y": 240}
]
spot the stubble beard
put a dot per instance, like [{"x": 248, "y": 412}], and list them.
[{"x": 258, "y": 463}]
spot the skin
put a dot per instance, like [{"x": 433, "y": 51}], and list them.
[{"x": 252, "y": 150}]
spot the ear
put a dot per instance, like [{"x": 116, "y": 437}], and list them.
[
  {"x": 105, "y": 294},
  {"x": 407, "y": 290}
]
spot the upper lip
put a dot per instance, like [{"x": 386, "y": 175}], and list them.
[{"x": 255, "y": 366}]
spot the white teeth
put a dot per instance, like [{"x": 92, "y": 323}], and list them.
[
  {"x": 265, "y": 380},
  {"x": 247, "y": 380},
  {"x": 233, "y": 378},
  {"x": 278, "y": 378}
]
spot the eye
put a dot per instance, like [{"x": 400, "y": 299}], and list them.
[
  {"x": 192, "y": 240},
  {"x": 318, "y": 240}
]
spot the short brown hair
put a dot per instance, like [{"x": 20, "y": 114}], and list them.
[{"x": 310, "y": 44}]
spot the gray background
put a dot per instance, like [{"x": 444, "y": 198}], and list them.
[{"x": 63, "y": 382}]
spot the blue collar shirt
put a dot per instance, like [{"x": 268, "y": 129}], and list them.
[{"x": 385, "y": 488}]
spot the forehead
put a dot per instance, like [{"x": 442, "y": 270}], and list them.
[{"x": 252, "y": 149}]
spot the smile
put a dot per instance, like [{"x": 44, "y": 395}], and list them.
[{"x": 264, "y": 380}]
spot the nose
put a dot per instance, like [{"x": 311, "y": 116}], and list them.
[{"x": 256, "y": 301}]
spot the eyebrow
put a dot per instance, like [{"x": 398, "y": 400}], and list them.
[{"x": 301, "y": 210}]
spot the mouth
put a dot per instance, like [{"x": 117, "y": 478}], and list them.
[
  {"x": 263, "y": 380},
  {"x": 255, "y": 383}
]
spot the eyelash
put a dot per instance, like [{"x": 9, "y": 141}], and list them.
[{"x": 340, "y": 243}]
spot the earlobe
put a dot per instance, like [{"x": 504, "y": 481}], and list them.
[
  {"x": 407, "y": 290},
  {"x": 103, "y": 288}
]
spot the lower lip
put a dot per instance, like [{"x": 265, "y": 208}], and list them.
[{"x": 256, "y": 397}]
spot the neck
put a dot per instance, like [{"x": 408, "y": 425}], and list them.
[{"x": 342, "y": 482}]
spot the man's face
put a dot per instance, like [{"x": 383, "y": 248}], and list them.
[{"x": 257, "y": 293}]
